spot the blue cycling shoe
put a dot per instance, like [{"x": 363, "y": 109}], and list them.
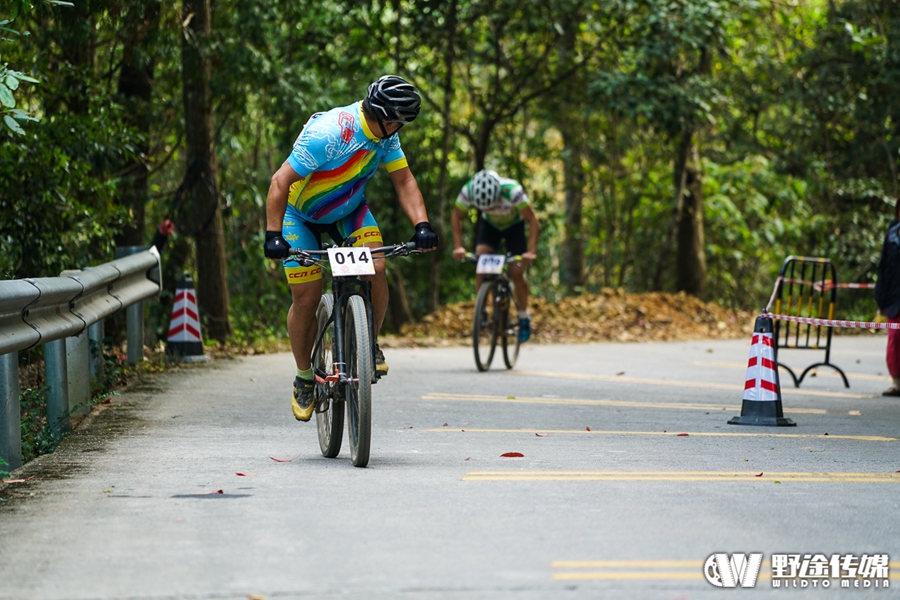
[{"x": 524, "y": 330}]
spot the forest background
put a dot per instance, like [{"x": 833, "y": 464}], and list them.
[{"x": 666, "y": 145}]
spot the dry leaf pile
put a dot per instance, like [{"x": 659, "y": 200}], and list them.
[{"x": 611, "y": 315}]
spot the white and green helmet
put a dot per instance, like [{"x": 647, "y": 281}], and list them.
[{"x": 484, "y": 190}]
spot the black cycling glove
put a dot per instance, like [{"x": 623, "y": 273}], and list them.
[
  {"x": 276, "y": 246},
  {"x": 425, "y": 237}
]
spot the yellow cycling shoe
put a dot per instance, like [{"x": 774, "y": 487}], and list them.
[
  {"x": 381, "y": 366},
  {"x": 303, "y": 400}
]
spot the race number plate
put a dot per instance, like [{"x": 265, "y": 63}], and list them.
[
  {"x": 490, "y": 264},
  {"x": 348, "y": 262}
]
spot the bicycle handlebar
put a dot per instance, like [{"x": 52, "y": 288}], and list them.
[
  {"x": 510, "y": 258},
  {"x": 308, "y": 258}
]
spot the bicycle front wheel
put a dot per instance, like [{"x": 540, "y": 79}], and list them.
[
  {"x": 484, "y": 327},
  {"x": 358, "y": 390},
  {"x": 510, "y": 327},
  {"x": 329, "y": 412}
]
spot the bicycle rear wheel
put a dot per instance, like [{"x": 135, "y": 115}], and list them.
[
  {"x": 484, "y": 327},
  {"x": 510, "y": 326},
  {"x": 358, "y": 391},
  {"x": 329, "y": 411}
]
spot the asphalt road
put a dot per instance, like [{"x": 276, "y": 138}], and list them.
[{"x": 610, "y": 499}]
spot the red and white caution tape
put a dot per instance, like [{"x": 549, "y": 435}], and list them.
[
  {"x": 826, "y": 285},
  {"x": 819, "y": 286},
  {"x": 832, "y": 322}
]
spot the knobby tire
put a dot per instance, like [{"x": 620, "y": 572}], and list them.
[
  {"x": 510, "y": 327},
  {"x": 330, "y": 423},
  {"x": 358, "y": 354},
  {"x": 484, "y": 326}
]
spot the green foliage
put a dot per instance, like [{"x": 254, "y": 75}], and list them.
[{"x": 792, "y": 108}]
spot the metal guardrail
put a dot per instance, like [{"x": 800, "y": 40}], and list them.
[{"x": 64, "y": 314}]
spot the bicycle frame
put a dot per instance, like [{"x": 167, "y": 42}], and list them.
[{"x": 343, "y": 288}]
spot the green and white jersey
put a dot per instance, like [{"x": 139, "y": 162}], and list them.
[{"x": 506, "y": 211}]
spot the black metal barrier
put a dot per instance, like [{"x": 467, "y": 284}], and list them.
[{"x": 807, "y": 287}]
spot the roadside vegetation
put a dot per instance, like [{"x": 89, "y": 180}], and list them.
[{"x": 675, "y": 152}]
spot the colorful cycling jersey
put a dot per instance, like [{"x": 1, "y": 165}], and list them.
[
  {"x": 335, "y": 155},
  {"x": 506, "y": 211}
]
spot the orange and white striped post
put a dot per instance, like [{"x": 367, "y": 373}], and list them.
[{"x": 762, "y": 390}]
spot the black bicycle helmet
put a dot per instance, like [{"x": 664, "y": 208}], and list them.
[{"x": 394, "y": 100}]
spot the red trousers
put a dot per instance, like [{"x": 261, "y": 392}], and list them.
[{"x": 893, "y": 349}]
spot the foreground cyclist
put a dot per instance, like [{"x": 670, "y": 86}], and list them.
[
  {"x": 319, "y": 189},
  {"x": 504, "y": 211}
]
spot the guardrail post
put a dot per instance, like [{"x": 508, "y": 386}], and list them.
[
  {"x": 10, "y": 412},
  {"x": 57, "y": 386},
  {"x": 95, "y": 335},
  {"x": 134, "y": 317},
  {"x": 78, "y": 371}
]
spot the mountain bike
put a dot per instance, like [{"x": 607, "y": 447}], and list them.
[
  {"x": 496, "y": 311},
  {"x": 343, "y": 356}
]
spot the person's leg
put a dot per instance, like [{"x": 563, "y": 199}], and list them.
[
  {"x": 301, "y": 320},
  {"x": 305, "y": 284},
  {"x": 517, "y": 244},
  {"x": 893, "y": 358}
]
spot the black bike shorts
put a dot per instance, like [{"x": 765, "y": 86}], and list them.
[{"x": 516, "y": 243}]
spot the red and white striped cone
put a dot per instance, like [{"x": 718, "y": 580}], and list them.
[
  {"x": 184, "y": 341},
  {"x": 762, "y": 390}
]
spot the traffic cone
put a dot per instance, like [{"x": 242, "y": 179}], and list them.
[
  {"x": 184, "y": 341},
  {"x": 762, "y": 391}
]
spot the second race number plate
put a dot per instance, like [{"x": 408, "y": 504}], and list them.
[
  {"x": 490, "y": 264},
  {"x": 349, "y": 262}
]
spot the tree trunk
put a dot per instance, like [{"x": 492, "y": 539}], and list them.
[
  {"x": 212, "y": 284},
  {"x": 571, "y": 127},
  {"x": 679, "y": 175},
  {"x": 438, "y": 218},
  {"x": 135, "y": 89},
  {"x": 691, "y": 253},
  {"x": 399, "y": 313}
]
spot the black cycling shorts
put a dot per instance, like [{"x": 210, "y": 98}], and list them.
[{"x": 516, "y": 243}]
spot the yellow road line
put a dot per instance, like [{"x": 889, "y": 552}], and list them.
[
  {"x": 627, "y": 575},
  {"x": 633, "y": 564},
  {"x": 823, "y": 373},
  {"x": 862, "y": 438},
  {"x": 679, "y": 383},
  {"x": 649, "y": 564},
  {"x": 619, "y": 403},
  {"x": 679, "y": 476}
]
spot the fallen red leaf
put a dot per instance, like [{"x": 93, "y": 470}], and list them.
[
  {"x": 105, "y": 401},
  {"x": 542, "y": 434},
  {"x": 682, "y": 435},
  {"x": 587, "y": 428},
  {"x": 240, "y": 474},
  {"x": 445, "y": 425},
  {"x": 284, "y": 459},
  {"x": 467, "y": 458},
  {"x": 760, "y": 475},
  {"x": 512, "y": 455}
]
